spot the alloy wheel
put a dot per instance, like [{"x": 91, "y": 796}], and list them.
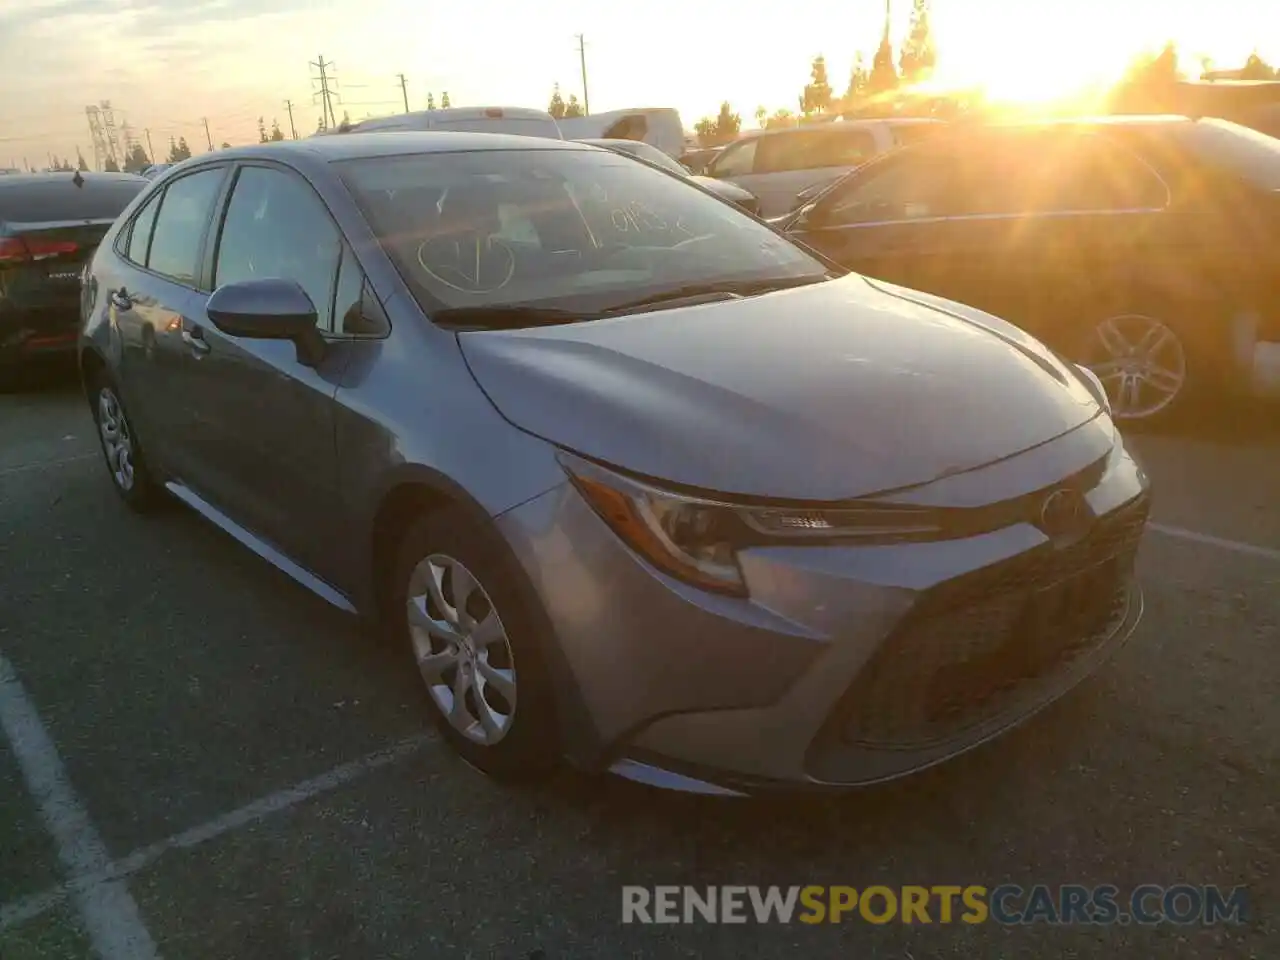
[
  {"x": 1141, "y": 362},
  {"x": 117, "y": 438},
  {"x": 462, "y": 649}
]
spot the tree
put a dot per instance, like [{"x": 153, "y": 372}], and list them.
[
  {"x": 262, "y": 131},
  {"x": 1147, "y": 71},
  {"x": 859, "y": 81},
  {"x": 556, "y": 107},
  {"x": 178, "y": 151},
  {"x": 111, "y": 166},
  {"x": 723, "y": 128},
  {"x": 781, "y": 120},
  {"x": 573, "y": 108},
  {"x": 276, "y": 133},
  {"x": 918, "y": 56},
  {"x": 137, "y": 160},
  {"x": 320, "y": 127},
  {"x": 431, "y": 101},
  {"x": 761, "y": 116},
  {"x": 444, "y": 100},
  {"x": 817, "y": 93},
  {"x": 80, "y": 163},
  {"x": 1255, "y": 68},
  {"x": 884, "y": 75}
]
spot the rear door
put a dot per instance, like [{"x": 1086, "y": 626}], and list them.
[
  {"x": 264, "y": 420},
  {"x": 153, "y": 297}
]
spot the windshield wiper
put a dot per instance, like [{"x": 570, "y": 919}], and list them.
[
  {"x": 505, "y": 317},
  {"x": 721, "y": 289}
]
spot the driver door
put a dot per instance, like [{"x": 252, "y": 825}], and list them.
[{"x": 266, "y": 420}]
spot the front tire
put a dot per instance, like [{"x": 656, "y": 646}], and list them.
[
  {"x": 121, "y": 451},
  {"x": 457, "y": 610}
]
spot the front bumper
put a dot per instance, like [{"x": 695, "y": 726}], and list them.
[{"x": 848, "y": 665}]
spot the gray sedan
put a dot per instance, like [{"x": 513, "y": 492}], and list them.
[{"x": 632, "y": 479}]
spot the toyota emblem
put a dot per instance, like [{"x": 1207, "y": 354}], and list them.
[{"x": 1063, "y": 514}]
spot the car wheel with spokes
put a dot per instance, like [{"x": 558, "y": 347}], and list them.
[
  {"x": 1142, "y": 362},
  {"x": 120, "y": 447},
  {"x": 475, "y": 646}
]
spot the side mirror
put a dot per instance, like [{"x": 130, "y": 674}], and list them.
[{"x": 272, "y": 309}]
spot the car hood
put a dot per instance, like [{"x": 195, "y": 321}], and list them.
[{"x": 840, "y": 389}]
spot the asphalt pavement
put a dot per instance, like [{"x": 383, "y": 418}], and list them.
[{"x": 202, "y": 760}]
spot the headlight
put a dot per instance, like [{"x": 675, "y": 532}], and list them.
[
  {"x": 1094, "y": 383},
  {"x": 697, "y": 539}
]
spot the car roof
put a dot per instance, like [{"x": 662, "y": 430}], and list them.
[
  {"x": 89, "y": 176},
  {"x": 393, "y": 143}
]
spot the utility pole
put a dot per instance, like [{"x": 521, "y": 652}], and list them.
[
  {"x": 151, "y": 153},
  {"x": 288, "y": 105},
  {"x": 207, "y": 136},
  {"x": 326, "y": 104},
  {"x": 582, "y": 58},
  {"x": 404, "y": 91}
]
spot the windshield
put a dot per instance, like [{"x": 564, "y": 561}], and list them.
[
  {"x": 1238, "y": 150},
  {"x": 582, "y": 230}
]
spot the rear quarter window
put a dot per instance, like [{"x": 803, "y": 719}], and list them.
[{"x": 47, "y": 201}]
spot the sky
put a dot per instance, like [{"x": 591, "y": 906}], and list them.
[{"x": 166, "y": 64}]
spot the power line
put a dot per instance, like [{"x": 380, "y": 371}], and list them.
[
  {"x": 404, "y": 91},
  {"x": 325, "y": 94},
  {"x": 582, "y": 58}
]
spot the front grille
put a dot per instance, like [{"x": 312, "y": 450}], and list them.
[{"x": 973, "y": 644}]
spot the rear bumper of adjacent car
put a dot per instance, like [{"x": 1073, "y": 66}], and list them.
[
  {"x": 39, "y": 334},
  {"x": 848, "y": 665}
]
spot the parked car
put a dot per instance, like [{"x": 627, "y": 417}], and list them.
[
  {"x": 775, "y": 165},
  {"x": 659, "y": 127},
  {"x": 721, "y": 188},
  {"x": 696, "y": 160},
  {"x": 1143, "y": 247},
  {"x": 510, "y": 120},
  {"x": 155, "y": 170},
  {"x": 1250, "y": 103},
  {"x": 50, "y": 224},
  {"x": 635, "y": 479}
]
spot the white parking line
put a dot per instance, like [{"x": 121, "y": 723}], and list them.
[
  {"x": 1235, "y": 546},
  {"x": 20, "y": 911},
  {"x": 109, "y": 913}
]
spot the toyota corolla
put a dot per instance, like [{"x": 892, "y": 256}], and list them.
[{"x": 635, "y": 481}]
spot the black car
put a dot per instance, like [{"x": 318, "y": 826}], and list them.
[
  {"x": 650, "y": 154},
  {"x": 1144, "y": 247},
  {"x": 50, "y": 224}
]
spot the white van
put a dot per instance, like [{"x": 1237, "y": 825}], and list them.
[
  {"x": 657, "y": 126},
  {"x": 522, "y": 121}
]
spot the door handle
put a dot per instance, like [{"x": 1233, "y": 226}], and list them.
[
  {"x": 196, "y": 341},
  {"x": 121, "y": 300}
]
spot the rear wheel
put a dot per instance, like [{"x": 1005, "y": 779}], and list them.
[
  {"x": 456, "y": 609},
  {"x": 125, "y": 462}
]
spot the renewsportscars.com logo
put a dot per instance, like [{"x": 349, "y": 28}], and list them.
[{"x": 1008, "y": 904}]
